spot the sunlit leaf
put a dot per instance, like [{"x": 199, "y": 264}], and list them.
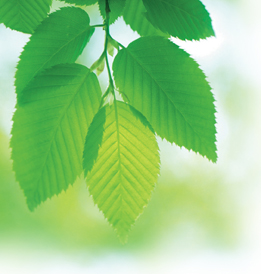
[
  {"x": 161, "y": 81},
  {"x": 185, "y": 19},
  {"x": 23, "y": 15},
  {"x": 60, "y": 38},
  {"x": 121, "y": 162},
  {"x": 50, "y": 126}
]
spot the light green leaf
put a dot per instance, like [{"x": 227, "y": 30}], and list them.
[
  {"x": 23, "y": 15},
  {"x": 60, "y": 38},
  {"x": 134, "y": 16},
  {"x": 81, "y": 2},
  {"x": 49, "y": 130},
  {"x": 185, "y": 19},
  {"x": 121, "y": 162},
  {"x": 116, "y": 9},
  {"x": 161, "y": 81}
]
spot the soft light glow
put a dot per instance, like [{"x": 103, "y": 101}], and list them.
[{"x": 200, "y": 48}]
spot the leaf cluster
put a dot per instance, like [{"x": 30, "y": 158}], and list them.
[{"x": 62, "y": 125}]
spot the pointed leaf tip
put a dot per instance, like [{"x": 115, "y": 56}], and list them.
[
  {"x": 121, "y": 164},
  {"x": 167, "y": 86},
  {"x": 49, "y": 129},
  {"x": 185, "y": 19}
]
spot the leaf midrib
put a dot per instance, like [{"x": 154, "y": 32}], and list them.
[
  {"x": 55, "y": 53},
  {"x": 157, "y": 84},
  {"x": 57, "y": 127},
  {"x": 176, "y": 7},
  {"x": 118, "y": 145}
]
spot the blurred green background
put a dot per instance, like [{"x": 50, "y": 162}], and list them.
[{"x": 202, "y": 218}]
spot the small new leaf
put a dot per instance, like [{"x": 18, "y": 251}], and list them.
[
  {"x": 60, "y": 38},
  {"x": 49, "y": 130},
  {"x": 185, "y": 19},
  {"x": 110, "y": 48},
  {"x": 121, "y": 164},
  {"x": 100, "y": 68},
  {"x": 169, "y": 89},
  {"x": 23, "y": 15}
]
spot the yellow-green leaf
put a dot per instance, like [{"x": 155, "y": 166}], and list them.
[{"x": 121, "y": 164}]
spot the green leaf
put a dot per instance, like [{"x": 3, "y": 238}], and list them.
[
  {"x": 134, "y": 16},
  {"x": 121, "y": 162},
  {"x": 60, "y": 38},
  {"x": 185, "y": 19},
  {"x": 161, "y": 81},
  {"x": 81, "y": 2},
  {"x": 23, "y": 15},
  {"x": 116, "y": 9},
  {"x": 49, "y": 130}
]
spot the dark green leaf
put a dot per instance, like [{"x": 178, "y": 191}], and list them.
[
  {"x": 134, "y": 16},
  {"x": 23, "y": 15},
  {"x": 116, "y": 9},
  {"x": 121, "y": 162},
  {"x": 185, "y": 19},
  {"x": 161, "y": 81},
  {"x": 60, "y": 38},
  {"x": 49, "y": 130}
]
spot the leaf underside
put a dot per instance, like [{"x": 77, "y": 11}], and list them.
[
  {"x": 161, "y": 81},
  {"x": 23, "y": 15},
  {"x": 185, "y": 19},
  {"x": 49, "y": 130},
  {"x": 121, "y": 162},
  {"x": 60, "y": 38},
  {"x": 134, "y": 16}
]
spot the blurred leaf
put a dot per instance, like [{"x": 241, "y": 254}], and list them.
[{"x": 198, "y": 205}]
